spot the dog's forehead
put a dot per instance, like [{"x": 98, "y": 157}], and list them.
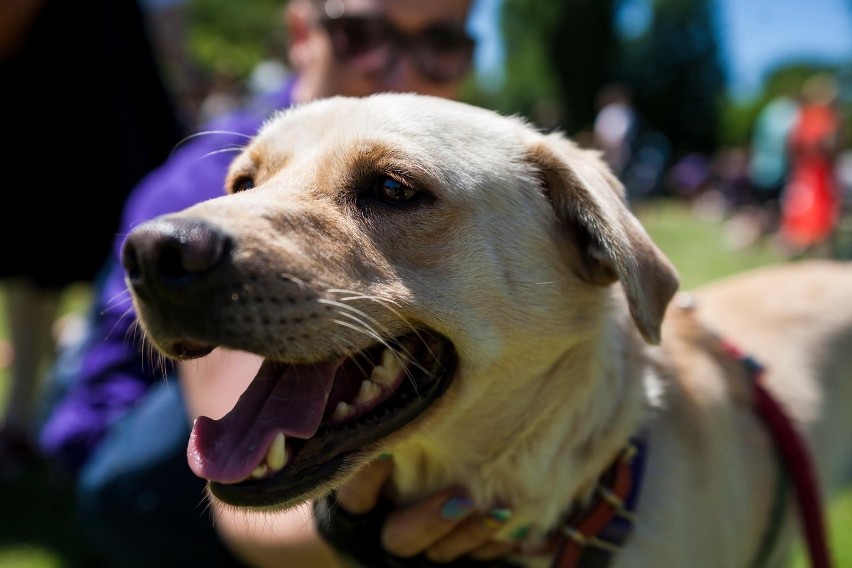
[
  {"x": 451, "y": 143},
  {"x": 410, "y": 123}
]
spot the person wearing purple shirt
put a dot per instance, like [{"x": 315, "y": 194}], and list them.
[
  {"x": 113, "y": 374},
  {"x": 122, "y": 415},
  {"x": 120, "y": 425}
]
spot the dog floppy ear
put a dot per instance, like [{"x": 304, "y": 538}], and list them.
[{"x": 610, "y": 242}]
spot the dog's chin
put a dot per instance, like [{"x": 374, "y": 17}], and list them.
[{"x": 334, "y": 415}]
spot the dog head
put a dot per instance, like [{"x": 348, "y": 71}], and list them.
[{"x": 393, "y": 259}]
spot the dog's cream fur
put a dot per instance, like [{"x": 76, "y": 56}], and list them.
[{"x": 527, "y": 258}]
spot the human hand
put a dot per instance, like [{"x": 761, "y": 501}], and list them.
[{"x": 443, "y": 528}]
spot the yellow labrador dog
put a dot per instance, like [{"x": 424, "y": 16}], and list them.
[{"x": 454, "y": 286}]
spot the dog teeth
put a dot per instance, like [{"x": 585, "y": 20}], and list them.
[
  {"x": 382, "y": 378},
  {"x": 368, "y": 394},
  {"x": 381, "y": 375},
  {"x": 276, "y": 456},
  {"x": 389, "y": 359},
  {"x": 342, "y": 411},
  {"x": 386, "y": 373},
  {"x": 274, "y": 460}
]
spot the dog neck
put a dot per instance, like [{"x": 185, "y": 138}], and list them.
[{"x": 536, "y": 444}]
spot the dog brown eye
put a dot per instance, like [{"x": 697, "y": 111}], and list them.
[
  {"x": 242, "y": 184},
  {"x": 388, "y": 189}
]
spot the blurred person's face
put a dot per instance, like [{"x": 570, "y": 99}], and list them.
[{"x": 360, "y": 47}]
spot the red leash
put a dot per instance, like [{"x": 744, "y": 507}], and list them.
[{"x": 796, "y": 459}]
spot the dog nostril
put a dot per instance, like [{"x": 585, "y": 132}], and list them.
[
  {"x": 130, "y": 262},
  {"x": 170, "y": 264},
  {"x": 200, "y": 247},
  {"x": 177, "y": 260},
  {"x": 172, "y": 252}
]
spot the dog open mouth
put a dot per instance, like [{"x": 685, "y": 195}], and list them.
[{"x": 296, "y": 425}]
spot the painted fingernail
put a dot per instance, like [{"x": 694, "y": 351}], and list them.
[
  {"x": 497, "y": 517},
  {"x": 384, "y": 456},
  {"x": 456, "y": 508},
  {"x": 520, "y": 533}
]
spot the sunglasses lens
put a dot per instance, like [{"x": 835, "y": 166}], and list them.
[
  {"x": 353, "y": 37},
  {"x": 444, "y": 54},
  {"x": 441, "y": 53}
]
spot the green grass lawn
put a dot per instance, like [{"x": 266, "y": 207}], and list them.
[{"x": 37, "y": 528}]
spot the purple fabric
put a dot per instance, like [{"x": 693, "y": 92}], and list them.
[{"x": 113, "y": 370}]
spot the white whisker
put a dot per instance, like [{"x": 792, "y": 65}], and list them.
[
  {"x": 361, "y": 356},
  {"x": 123, "y": 296},
  {"x": 361, "y": 296},
  {"x": 384, "y": 303},
  {"x": 372, "y": 333},
  {"x": 365, "y": 331},
  {"x": 221, "y": 151},
  {"x": 406, "y": 360},
  {"x": 301, "y": 283},
  {"x": 356, "y": 311},
  {"x": 126, "y": 313},
  {"x": 209, "y": 133}
]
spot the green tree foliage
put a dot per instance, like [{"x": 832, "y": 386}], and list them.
[
  {"x": 676, "y": 74},
  {"x": 563, "y": 52},
  {"x": 558, "y": 54},
  {"x": 230, "y": 38}
]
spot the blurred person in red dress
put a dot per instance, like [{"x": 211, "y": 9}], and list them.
[{"x": 810, "y": 202}]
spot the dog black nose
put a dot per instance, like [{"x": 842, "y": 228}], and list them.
[{"x": 171, "y": 253}]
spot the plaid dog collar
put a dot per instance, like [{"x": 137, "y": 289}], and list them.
[{"x": 590, "y": 538}]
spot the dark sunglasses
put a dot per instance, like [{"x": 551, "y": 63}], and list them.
[{"x": 441, "y": 53}]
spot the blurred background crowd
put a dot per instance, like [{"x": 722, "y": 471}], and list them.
[{"x": 696, "y": 100}]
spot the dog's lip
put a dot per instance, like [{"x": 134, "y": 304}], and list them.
[
  {"x": 316, "y": 459},
  {"x": 186, "y": 349}
]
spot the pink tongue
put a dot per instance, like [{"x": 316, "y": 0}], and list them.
[{"x": 229, "y": 449}]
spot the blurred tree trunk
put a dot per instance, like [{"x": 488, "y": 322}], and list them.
[
  {"x": 558, "y": 55},
  {"x": 583, "y": 49},
  {"x": 676, "y": 75}
]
